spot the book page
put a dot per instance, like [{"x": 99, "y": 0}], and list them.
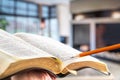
[
  {"x": 49, "y": 45},
  {"x": 82, "y": 59},
  {"x": 85, "y": 62},
  {"x": 17, "y": 47}
]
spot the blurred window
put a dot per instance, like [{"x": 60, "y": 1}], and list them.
[
  {"x": 53, "y": 11},
  {"x": 21, "y": 16},
  {"x": 21, "y": 5},
  {"x": 32, "y": 13},
  {"x": 10, "y": 21},
  {"x": 34, "y": 25},
  {"x": 7, "y": 10},
  {"x": 21, "y": 24},
  {"x": 45, "y": 11},
  {"x": 54, "y": 28},
  {"x": 21, "y": 8},
  {"x": 7, "y": 3},
  {"x": 51, "y": 21},
  {"x": 18, "y": 8},
  {"x": 11, "y": 25},
  {"x": 0, "y": 3},
  {"x": 7, "y": 6},
  {"x": 49, "y": 12},
  {"x": 32, "y": 7}
]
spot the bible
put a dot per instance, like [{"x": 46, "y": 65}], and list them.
[{"x": 20, "y": 53}]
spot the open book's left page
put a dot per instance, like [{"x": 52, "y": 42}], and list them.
[{"x": 18, "y": 47}]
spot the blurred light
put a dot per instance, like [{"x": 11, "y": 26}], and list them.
[
  {"x": 84, "y": 48},
  {"x": 116, "y": 15},
  {"x": 79, "y": 17}
]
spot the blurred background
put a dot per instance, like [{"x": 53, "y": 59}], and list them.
[{"x": 82, "y": 24}]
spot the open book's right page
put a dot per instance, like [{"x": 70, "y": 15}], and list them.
[
  {"x": 49, "y": 45},
  {"x": 63, "y": 52}
]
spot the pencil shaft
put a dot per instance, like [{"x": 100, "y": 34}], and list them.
[{"x": 116, "y": 46}]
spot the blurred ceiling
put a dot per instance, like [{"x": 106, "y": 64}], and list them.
[{"x": 79, "y": 6}]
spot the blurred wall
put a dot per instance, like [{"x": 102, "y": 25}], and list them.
[
  {"x": 64, "y": 18},
  {"x": 78, "y": 6}
]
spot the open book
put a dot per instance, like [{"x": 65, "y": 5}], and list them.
[
  {"x": 64, "y": 53},
  {"x": 28, "y": 51},
  {"x": 17, "y": 55}
]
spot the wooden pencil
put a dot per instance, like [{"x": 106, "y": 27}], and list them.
[{"x": 116, "y": 46}]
